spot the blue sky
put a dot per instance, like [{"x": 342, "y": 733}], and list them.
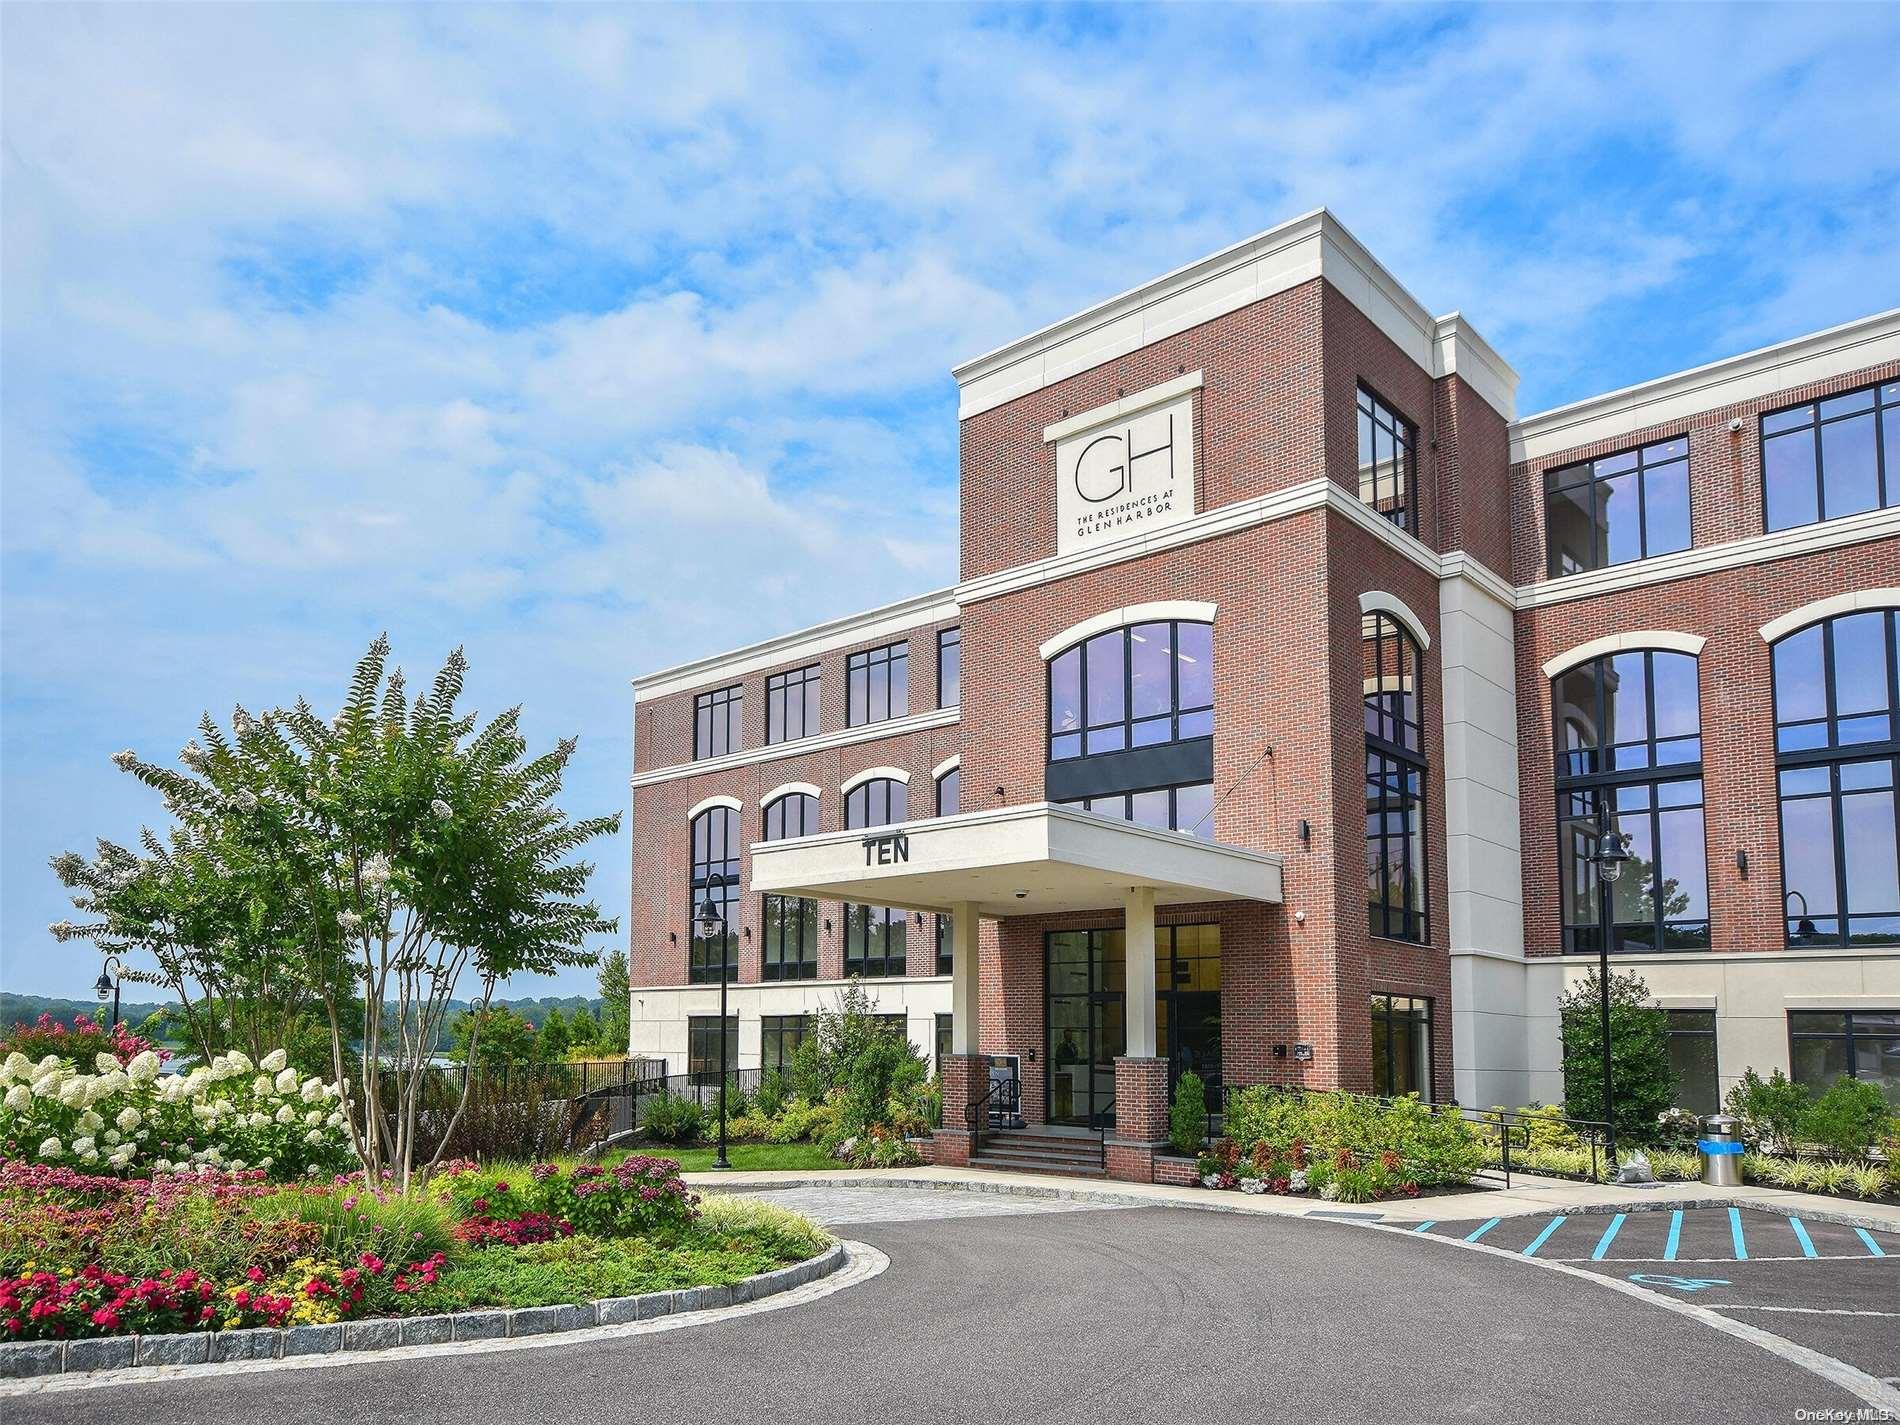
[{"x": 594, "y": 339}]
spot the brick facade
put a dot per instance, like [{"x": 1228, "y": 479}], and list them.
[{"x": 1276, "y": 410}]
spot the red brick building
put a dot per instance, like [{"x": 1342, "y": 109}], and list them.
[{"x": 1271, "y": 721}]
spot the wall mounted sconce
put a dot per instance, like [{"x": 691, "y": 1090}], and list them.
[
  {"x": 1306, "y": 832},
  {"x": 747, "y": 932},
  {"x": 1741, "y": 863},
  {"x": 1001, "y": 793},
  {"x": 1299, "y": 917},
  {"x": 1279, "y": 1051},
  {"x": 827, "y": 927},
  {"x": 672, "y": 938},
  {"x": 919, "y": 915}
]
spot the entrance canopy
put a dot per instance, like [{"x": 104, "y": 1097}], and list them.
[{"x": 1020, "y": 860}]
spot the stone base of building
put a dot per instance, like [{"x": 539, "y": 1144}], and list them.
[{"x": 1129, "y": 1160}]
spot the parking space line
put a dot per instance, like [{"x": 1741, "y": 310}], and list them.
[
  {"x": 1801, "y": 1310},
  {"x": 1544, "y": 1236},
  {"x": 1873, "y": 1247},
  {"x": 1675, "y": 1236},
  {"x": 1801, "y": 1234},
  {"x": 1484, "y": 1229},
  {"x": 1609, "y": 1236},
  {"x": 1735, "y": 1231},
  {"x": 1426, "y": 1225}
]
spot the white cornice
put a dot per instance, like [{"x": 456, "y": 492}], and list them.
[
  {"x": 708, "y": 803},
  {"x": 824, "y": 741},
  {"x": 1777, "y": 629},
  {"x": 1315, "y": 244},
  {"x": 945, "y": 767},
  {"x": 1757, "y": 549},
  {"x": 936, "y": 607},
  {"x": 1660, "y": 638},
  {"x": 1754, "y": 374},
  {"x": 802, "y": 789}
]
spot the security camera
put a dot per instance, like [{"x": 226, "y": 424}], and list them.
[{"x": 1735, "y": 425}]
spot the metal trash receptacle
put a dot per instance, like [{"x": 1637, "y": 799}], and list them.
[{"x": 1721, "y": 1147}]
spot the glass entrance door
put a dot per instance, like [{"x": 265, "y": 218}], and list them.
[{"x": 1086, "y": 1028}]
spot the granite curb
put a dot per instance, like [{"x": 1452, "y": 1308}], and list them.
[{"x": 24, "y": 1359}]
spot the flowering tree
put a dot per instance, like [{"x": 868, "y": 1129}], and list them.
[{"x": 364, "y": 865}]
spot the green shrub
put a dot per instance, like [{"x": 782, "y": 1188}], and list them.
[
  {"x": 1639, "y": 1052},
  {"x": 1848, "y": 1119},
  {"x": 769, "y": 1101},
  {"x": 737, "y": 1104},
  {"x": 674, "y": 1118},
  {"x": 1433, "y": 1146},
  {"x": 1187, "y": 1119},
  {"x": 779, "y": 1229},
  {"x": 1770, "y": 1109},
  {"x": 1867, "y": 1179},
  {"x": 353, "y": 1218}
]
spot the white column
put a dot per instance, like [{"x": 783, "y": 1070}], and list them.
[
  {"x": 1138, "y": 936},
  {"x": 963, "y": 1037}
]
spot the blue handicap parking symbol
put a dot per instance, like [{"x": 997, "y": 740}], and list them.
[{"x": 1677, "y": 1283}]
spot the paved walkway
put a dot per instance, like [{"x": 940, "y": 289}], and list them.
[{"x": 1526, "y": 1196}]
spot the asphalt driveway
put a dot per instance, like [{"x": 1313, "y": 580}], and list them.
[{"x": 1138, "y": 1314}]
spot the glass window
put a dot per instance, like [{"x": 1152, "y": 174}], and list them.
[
  {"x": 949, "y": 666},
  {"x": 1824, "y": 1045},
  {"x": 1188, "y": 809},
  {"x": 791, "y": 705},
  {"x": 877, "y": 684},
  {"x": 716, "y": 723},
  {"x": 779, "y": 1038},
  {"x": 1401, "y": 1046},
  {"x": 1692, "y": 1056},
  {"x": 1830, "y": 458},
  {"x": 1836, "y": 752},
  {"x": 1132, "y": 687},
  {"x": 943, "y": 1042},
  {"x": 702, "y": 1048},
  {"x": 789, "y": 923},
  {"x": 1618, "y": 508},
  {"x": 946, "y": 944},
  {"x": 875, "y": 936},
  {"x": 1629, "y": 745},
  {"x": 715, "y": 878},
  {"x": 1396, "y": 871},
  {"x": 1387, "y": 460},
  {"x": 949, "y": 802}
]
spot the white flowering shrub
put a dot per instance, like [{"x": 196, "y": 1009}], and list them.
[{"x": 135, "y": 1120}]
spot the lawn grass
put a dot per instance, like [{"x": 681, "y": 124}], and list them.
[{"x": 751, "y": 1157}]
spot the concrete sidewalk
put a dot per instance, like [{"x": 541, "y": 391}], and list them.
[{"x": 1526, "y": 1195}]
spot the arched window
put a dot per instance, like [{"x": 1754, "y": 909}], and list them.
[
  {"x": 1131, "y": 723},
  {"x": 1628, "y": 733},
  {"x": 715, "y": 878},
  {"x": 1396, "y": 869},
  {"x": 949, "y": 803},
  {"x": 790, "y": 951},
  {"x": 1835, "y": 751},
  {"x": 874, "y": 935}
]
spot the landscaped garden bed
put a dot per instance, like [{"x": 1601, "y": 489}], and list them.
[{"x": 1338, "y": 1147}]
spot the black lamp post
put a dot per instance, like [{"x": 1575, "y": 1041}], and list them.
[
  {"x": 107, "y": 986},
  {"x": 1610, "y": 855},
  {"x": 710, "y": 922}
]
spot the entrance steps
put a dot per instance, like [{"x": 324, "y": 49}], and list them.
[{"x": 1029, "y": 1150}]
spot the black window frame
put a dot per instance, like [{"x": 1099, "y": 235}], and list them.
[
  {"x": 1386, "y": 1016},
  {"x": 1680, "y": 1033},
  {"x": 943, "y": 1028},
  {"x": 776, "y": 913},
  {"x": 1368, "y": 407},
  {"x": 719, "y": 717},
  {"x": 1846, "y": 1036},
  {"x": 1648, "y": 460},
  {"x": 859, "y": 919},
  {"x": 774, "y": 1030},
  {"x": 950, "y": 638},
  {"x": 1201, "y": 830},
  {"x": 946, "y": 932},
  {"x": 1886, "y": 398},
  {"x": 702, "y": 880},
  {"x": 1175, "y": 714},
  {"x": 702, "y": 1062},
  {"x": 1834, "y": 756},
  {"x": 894, "y": 659},
  {"x": 806, "y": 683},
  {"x": 1580, "y": 794},
  {"x": 1395, "y": 761}
]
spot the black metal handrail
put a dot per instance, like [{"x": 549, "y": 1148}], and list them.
[
  {"x": 1098, "y": 1120},
  {"x": 976, "y": 1115}
]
